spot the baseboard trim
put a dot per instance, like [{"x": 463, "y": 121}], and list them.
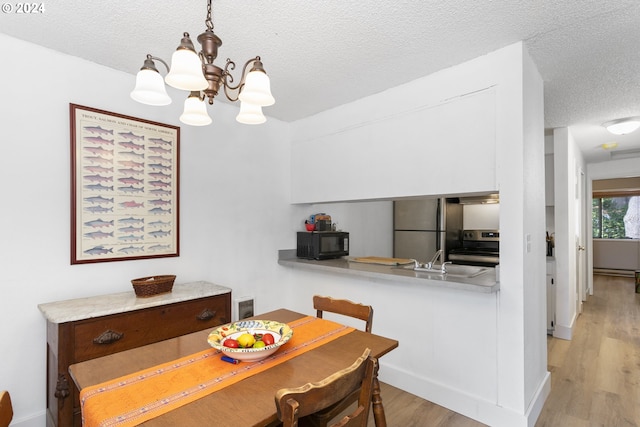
[
  {"x": 614, "y": 272},
  {"x": 538, "y": 400},
  {"x": 474, "y": 407},
  {"x": 564, "y": 332},
  {"x": 37, "y": 420}
]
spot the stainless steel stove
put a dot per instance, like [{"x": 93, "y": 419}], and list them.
[{"x": 479, "y": 247}]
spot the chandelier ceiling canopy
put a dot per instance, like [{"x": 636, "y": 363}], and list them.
[{"x": 197, "y": 74}]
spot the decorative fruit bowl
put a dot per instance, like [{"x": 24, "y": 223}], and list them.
[{"x": 242, "y": 347}]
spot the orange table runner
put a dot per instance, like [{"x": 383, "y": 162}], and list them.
[{"x": 133, "y": 399}]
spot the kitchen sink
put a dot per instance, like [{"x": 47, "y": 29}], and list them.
[{"x": 453, "y": 270}]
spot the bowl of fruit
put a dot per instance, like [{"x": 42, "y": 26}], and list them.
[{"x": 250, "y": 340}]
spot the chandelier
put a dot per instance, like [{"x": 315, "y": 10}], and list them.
[{"x": 196, "y": 73}]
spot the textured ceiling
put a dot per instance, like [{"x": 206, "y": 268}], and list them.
[{"x": 320, "y": 54}]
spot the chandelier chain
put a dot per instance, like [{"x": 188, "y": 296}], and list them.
[{"x": 209, "y": 21}]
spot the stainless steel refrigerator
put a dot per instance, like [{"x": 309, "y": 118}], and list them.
[{"x": 423, "y": 226}]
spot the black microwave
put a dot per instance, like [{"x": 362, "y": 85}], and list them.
[{"x": 322, "y": 244}]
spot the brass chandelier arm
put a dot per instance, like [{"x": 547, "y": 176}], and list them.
[
  {"x": 228, "y": 78},
  {"x": 150, "y": 65}
]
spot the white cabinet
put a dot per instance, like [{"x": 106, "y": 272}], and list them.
[{"x": 551, "y": 295}]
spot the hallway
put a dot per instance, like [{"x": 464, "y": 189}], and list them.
[{"x": 595, "y": 377}]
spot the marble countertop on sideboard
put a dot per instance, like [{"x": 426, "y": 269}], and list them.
[{"x": 101, "y": 305}]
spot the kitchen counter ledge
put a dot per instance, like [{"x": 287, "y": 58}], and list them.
[{"x": 484, "y": 283}]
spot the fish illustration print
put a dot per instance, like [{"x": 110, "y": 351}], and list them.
[
  {"x": 160, "y": 175},
  {"x": 130, "y": 164},
  {"x": 131, "y": 204},
  {"x": 131, "y": 145},
  {"x": 159, "y": 150},
  {"x": 98, "y": 169},
  {"x": 160, "y": 202},
  {"x": 131, "y": 180},
  {"x": 98, "y": 200},
  {"x": 98, "y": 223},
  {"x": 131, "y": 220},
  {"x": 156, "y": 158},
  {"x": 156, "y": 248},
  {"x": 131, "y": 189},
  {"x": 97, "y": 159},
  {"x": 98, "y": 140},
  {"x": 159, "y": 183},
  {"x": 131, "y": 249},
  {"x": 98, "y": 130},
  {"x": 132, "y": 136},
  {"x": 98, "y": 187},
  {"x": 159, "y": 233},
  {"x": 98, "y": 209},
  {"x": 98, "y": 150},
  {"x": 159, "y": 141},
  {"x": 130, "y": 171},
  {"x": 159, "y": 211},
  {"x": 98, "y": 235},
  {"x": 159, "y": 166},
  {"x": 160, "y": 192},
  {"x": 155, "y": 224},
  {"x": 98, "y": 250},
  {"x": 131, "y": 229},
  {"x": 97, "y": 178},
  {"x": 130, "y": 238}
]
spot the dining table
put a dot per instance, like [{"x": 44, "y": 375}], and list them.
[{"x": 251, "y": 400}]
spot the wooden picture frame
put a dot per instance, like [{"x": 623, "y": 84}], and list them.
[{"x": 125, "y": 182}]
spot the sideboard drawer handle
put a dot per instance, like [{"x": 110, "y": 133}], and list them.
[
  {"x": 207, "y": 314},
  {"x": 108, "y": 337}
]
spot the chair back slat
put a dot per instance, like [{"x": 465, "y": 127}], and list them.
[
  {"x": 295, "y": 403},
  {"x": 345, "y": 308}
]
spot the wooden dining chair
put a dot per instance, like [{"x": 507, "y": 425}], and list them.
[
  {"x": 6, "y": 409},
  {"x": 296, "y": 406},
  {"x": 344, "y": 307}
]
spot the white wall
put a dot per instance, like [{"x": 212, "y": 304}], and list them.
[
  {"x": 382, "y": 155},
  {"x": 567, "y": 160}
]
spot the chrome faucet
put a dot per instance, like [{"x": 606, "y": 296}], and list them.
[
  {"x": 444, "y": 267},
  {"x": 436, "y": 256}
]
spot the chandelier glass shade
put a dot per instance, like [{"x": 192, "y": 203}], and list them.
[
  {"x": 186, "y": 71},
  {"x": 196, "y": 73},
  {"x": 250, "y": 114},
  {"x": 195, "y": 111},
  {"x": 150, "y": 88}
]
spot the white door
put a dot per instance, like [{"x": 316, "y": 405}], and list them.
[{"x": 580, "y": 239}]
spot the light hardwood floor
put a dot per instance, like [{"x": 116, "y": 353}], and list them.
[{"x": 595, "y": 377}]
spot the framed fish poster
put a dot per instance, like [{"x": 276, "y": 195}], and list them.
[{"x": 125, "y": 176}]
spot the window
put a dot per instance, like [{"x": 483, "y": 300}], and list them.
[{"x": 616, "y": 217}]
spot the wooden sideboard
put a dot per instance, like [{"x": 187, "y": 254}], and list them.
[{"x": 86, "y": 328}]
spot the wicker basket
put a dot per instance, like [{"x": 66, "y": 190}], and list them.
[{"x": 153, "y": 285}]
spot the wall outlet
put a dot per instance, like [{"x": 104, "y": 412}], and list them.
[{"x": 243, "y": 307}]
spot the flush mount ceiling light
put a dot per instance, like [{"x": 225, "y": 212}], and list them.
[
  {"x": 196, "y": 73},
  {"x": 622, "y": 126}
]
